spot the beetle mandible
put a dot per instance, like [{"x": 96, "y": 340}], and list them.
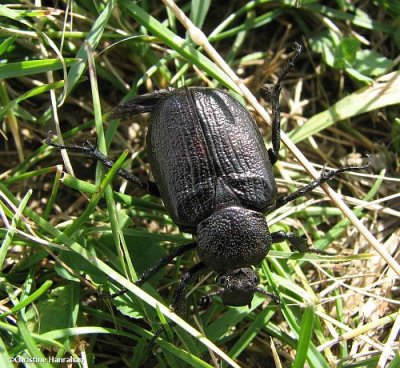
[{"x": 215, "y": 177}]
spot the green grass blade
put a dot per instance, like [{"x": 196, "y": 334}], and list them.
[
  {"x": 30, "y": 67},
  {"x": 384, "y": 92}
]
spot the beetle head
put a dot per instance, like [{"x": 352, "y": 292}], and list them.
[
  {"x": 237, "y": 287},
  {"x": 233, "y": 237}
]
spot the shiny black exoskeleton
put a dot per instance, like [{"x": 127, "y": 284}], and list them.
[{"x": 215, "y": 177}]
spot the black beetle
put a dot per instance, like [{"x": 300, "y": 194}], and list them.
[{"x": 215, "y": 177}]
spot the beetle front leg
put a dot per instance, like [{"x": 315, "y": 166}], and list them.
[
  {"x": 297, "y": 243},
  {"x": 150, "y": 272},
  {"x": 178, "y": 302},
  {"x": 273, "y": 94},
  {"x": 92, "y": 151},
  {"x": 179, "y": 297},
  {"x": 163, "y": 262}
]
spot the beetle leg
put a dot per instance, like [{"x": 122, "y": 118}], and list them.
[
  {"x": 205, "y": 301},
  {"x": 163, "y": 262},
  {"x": 297, "y": 243},
  {"x": 140, "y": 104},
  {"x": 273, "y": 94},
  {"x": 325, "y": 176},
  {"x": 146, "y": 275},
  {"x": 276, "y": 123},
  {"x": 92, "y": 151},
  {"x": 178, "y": 304},
  {"x": 179, "y": 298},
  {"x": 273, "y": 296}
]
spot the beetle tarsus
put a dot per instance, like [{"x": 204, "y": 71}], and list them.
[
  {"x": 179, "y": 296},
  {"x": 298, "y": 49}
]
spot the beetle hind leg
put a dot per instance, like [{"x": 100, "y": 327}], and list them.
[
  {"x": 89, "y": 149},
  {"x": 273, "y": 94}
]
